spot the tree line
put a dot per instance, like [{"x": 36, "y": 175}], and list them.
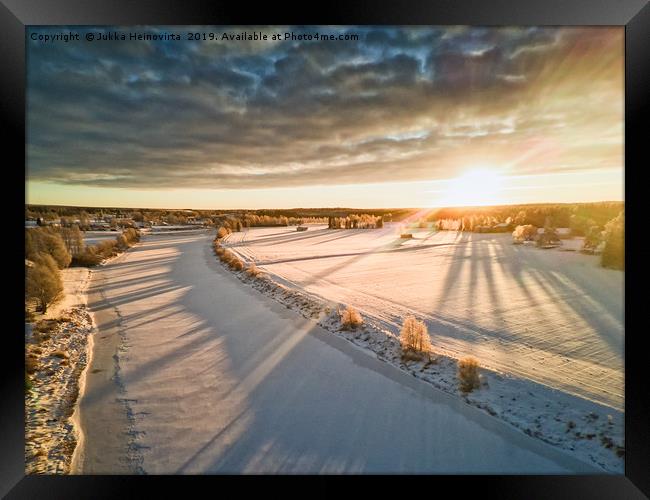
[
  {"x": 212, "y": 216},
  {"x": 354, "y": 221},
  {"x": 580, "y": 217},
  {"x": 48, "y": 250}
]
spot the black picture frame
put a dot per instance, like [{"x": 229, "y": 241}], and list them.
[{"x": 15, "y": 15}]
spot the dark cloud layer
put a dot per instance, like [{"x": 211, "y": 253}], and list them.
[{"x": 397, "y": 104}]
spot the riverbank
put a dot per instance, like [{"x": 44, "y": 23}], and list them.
[{"x": 57, "y": 351}]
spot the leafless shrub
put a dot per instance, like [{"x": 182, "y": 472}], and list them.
[
  {"x": 88, "y": 258},
  {"x": 468, "y": 374},
  {"x": 44, "y": 281},
  {"x": 46, "y": 241},
  {"x": 228, "y": 256},
  {"x": 414, "y": 339},
  {"x": 122, "y": 243},
  {"x": 253, "y": 271},
  {"x": 350, "y": 318},
  {"x": 236, "y": 264}
]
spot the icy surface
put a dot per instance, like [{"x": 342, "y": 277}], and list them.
[{"x": 217, "y": 377}]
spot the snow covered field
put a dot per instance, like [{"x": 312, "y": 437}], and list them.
[
  {"x": 213, "y": 376},
  {"x": 551, "y": 316}
]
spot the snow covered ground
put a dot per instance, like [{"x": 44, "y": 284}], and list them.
[
  {"x": 94, "y": 237},
  {"x": 56, "y": 345},
  {"x": 75, "y": 282},
  {"x": 551, "y": 316},
  {"x": 214, "y": 376}
]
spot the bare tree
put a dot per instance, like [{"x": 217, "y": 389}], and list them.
[
  {"x": 414, "y": 336},
  {"x": 44, "y": 281},
  {"x": 46, "y": 241},
  {"x": 73, "y": 239}
]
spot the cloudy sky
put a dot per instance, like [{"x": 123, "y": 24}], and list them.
[{"x": 391, "y": 119}]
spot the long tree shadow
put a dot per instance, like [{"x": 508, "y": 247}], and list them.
[
  {"x": 147, "y": 369},
  {"x": 117, "y": 284},
  {"x": 151, "y": 315},
  {"x": 278, "y": 240},
  {"x": 149, "y": 263},
  {"x": 267, "y": 415},
  {"x": 594, "y": 314},
  {"x": 459, "y": 257},
  {"x": 145, "y": 293},
  {"x": 348, "y": 233},
  {"x": 387, "y": 248},
  {"x": 549, "y": 296}
]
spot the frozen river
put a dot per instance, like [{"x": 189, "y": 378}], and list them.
[{"x": 195, "y": 372}]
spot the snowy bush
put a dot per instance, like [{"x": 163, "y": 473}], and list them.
[
  {"x": 227, "y": 256},
  {"x": 468, "y": 374},
  {"x": 253, "y": 271},
  {"x": 524, "y": 233},
  {"x": 350, "y": 318},
  {"x": 414, "y": 337},
  {"x": 222, "y": 232},
  {"x": 236, "y": 264}
]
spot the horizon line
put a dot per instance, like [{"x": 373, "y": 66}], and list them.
[{"x": 328, "y": 208}]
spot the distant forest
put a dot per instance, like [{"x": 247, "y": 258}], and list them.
[
  {"x": 599, "y": 223},
  {"x": 51, "y": 212},
  {"x": 579, "y": 216}
]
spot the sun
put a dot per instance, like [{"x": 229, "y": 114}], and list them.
[{"x": 478, "y": 186}]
